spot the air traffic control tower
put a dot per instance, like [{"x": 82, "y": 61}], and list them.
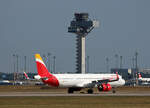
[{"x": 81, "y": 25}]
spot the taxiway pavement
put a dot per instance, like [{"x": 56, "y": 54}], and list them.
[{"x": 3, "y": 94}]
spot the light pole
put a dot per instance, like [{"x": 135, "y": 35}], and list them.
[
  {"x": 87, "y": 63},
  {"x": 17, "y": 72},
  {"x": 116, "y": 56},
  {"x": 136, "y": 61},
  {"x": 44, "y": 58},
  {"x": 14, "y": 63},
  {"x": 121, "y": 64},
  {"x": 133, "y": 65},
  {"x": 107, "y": 64},
  {"x": 54, "y": 64},
  {"x": 121, "y": 57},
  {"x": 25, "y": 66},
  {"x": 136, "y": 65},
  {"x": 49, "y": 64}
]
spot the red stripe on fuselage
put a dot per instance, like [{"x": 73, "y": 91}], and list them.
[{"x": 43, "y": 72}]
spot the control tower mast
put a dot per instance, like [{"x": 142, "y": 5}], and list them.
[{"x": 81, "y": 25}]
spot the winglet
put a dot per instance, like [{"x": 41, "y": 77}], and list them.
[{"x": 117, "y": 76}]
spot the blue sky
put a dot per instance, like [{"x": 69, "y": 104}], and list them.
[{"x": 40, "y": 26}]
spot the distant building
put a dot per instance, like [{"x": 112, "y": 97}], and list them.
[{"x": 128, "y": 74}]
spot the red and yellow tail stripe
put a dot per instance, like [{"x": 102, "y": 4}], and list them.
[
  {"x": 39, "y": 59},
  {"x": 41, "y": 67}
]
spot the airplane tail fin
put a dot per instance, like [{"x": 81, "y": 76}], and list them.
[
  {"x": 41, "y": 67},
  {"x": 26, "y": 76}
]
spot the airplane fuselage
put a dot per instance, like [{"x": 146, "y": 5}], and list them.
[{"x": 85, "y": 80}]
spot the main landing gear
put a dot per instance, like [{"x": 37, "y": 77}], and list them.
[
  {"x": 113, "y": 90},
  {"x": 90, "y": 91},
  {"x": 72, "y": 89}
]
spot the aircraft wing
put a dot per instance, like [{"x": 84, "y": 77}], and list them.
[
  {"x": 104, "y": 81},
  {"x": 109, "y": 80},
  {"x": 99, "y": 82}
]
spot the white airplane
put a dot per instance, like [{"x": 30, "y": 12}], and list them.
[
  {"x": 5, "y": 82},
  {"x": 143, "y": 79},
  {"x": 76, "y": 82}
]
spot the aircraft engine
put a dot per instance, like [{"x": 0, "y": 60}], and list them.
[{"x": 104, "y": 87}]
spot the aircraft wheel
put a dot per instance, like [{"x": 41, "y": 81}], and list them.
[
  {"x": 70, "y": 90},
  {"x": 90, "y": 91},
  {"x": 113, "y": 91}
]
